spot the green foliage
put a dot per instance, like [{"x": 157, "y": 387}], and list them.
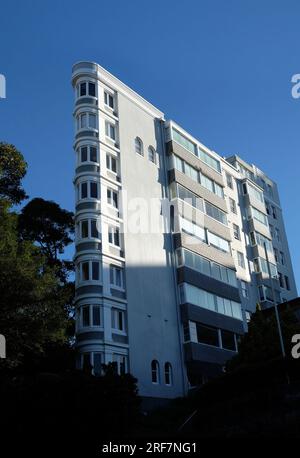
[
  {"x": 51, "y": 228},
  {"x": 32, "y": 300},
  {"x": 12, "y": 170}
]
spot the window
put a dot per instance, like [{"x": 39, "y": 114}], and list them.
[
  {"x": 88, "y": 153},
  {"x": 110, "y": 131},
  {"x": 109, "y": 100},
  {"x": 183, "y": 141},
  {"x": 86, "y": 316},
  {"x": 259, "y": 216},
  {"x": 232, "y": 205},
  {"x": 261, "y": 265},
  {"x": 86, "y": 121},
  {"x": 88, "y": 190},
  {"x": 255, "y": 193},
  {"x": 96, "y": 315},
  {"x": 111, "y": 163},
  {"x": 87, "y": 88},
  {"x": 270, "y": 190},
  {"x": 244, "y": 289},
  {"x": 241, "y": 259},
  {"x": 229, "y": 181},
  {"x": 191, "y": 172},
  {"x": 152, "y": 154},
  {"x": 190, "y": 198},
  {"x": 236, "y": 231},
  {"x": 89, "y": 229},
  {"x": 218, "y": 242},
  {"x": 277, "y": 234},
  {"x": 215, "y": 213},
  {"x": 193, "y": 229},
  {"x": 114, "y": 235},
  {"x": 272, "y": 231},
  {"x": 207, "y": 335},
  {"x": 139, "y": 149},
  {"x": 201, "y": 298},
  {"x": 276, "y": 255},
  {"x": 282, "y": 258},
  {"x": 112, "y": 197},
  {"x": 267, "y": 205},
  {"x": 206, "y": 267},
  {"x": 287, "y": 282},
  {"x": 274, "y": 212},
  {"x": 121, "y": 363},
  {"x": 155, "y": 371},
  {"x": 228, "y": 340},
  {"x": 116, "y": 276},
  {"x": 261, "y": 240},
  {"x": 280, "y": 278},
  {"x": 248, "y": 316},
  {"x": 118, "y": 319},
  {"x": 178, "y": 164},
  {"x": 168, "y": 374},
  {"x": 89, "y": 270},
  {"x": 186, "y": 332},
  {"x": 209, "y": 160}
]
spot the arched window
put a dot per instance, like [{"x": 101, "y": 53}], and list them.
[
  {"x": 152, "y": 154},
  {"x": 139, "y": 146},
  {"x": 155, "y": 371},
  {"x": 168, "y": 374}
]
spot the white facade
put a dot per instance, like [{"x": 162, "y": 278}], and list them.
[{"x": 140, "y": 300}]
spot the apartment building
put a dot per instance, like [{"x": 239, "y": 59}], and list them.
[{"x": 175, "y": 245}]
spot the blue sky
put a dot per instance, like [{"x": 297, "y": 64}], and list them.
[{"x": 221, "y": 69}]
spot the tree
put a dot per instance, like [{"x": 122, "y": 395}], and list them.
[
  {"x": 33, "y": 310},
  {"x": 12, "y": 170},
  {"x": 261, "y": 343},
  {"x": 51, "y": 228}
]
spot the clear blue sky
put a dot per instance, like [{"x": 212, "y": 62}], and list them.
[{"x": 221, "y": 69}]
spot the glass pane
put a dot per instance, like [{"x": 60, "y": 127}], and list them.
[
  {"x": 82, "y": 89},
  {"x": 83, "y": 190},
  {"x": 86, "y": 316},
  {"x": 92, "y": 89},
  {"x": 97, "y": 364},
  {"x": 95, "y": 270},
  {"x": 85, "y": 271},
  {"x": 228, "y": 341},
  {"x": 84, "y": 229},
  {"x": 94, "y": 231},
  {"x": 93, "y": 154},
  {"x": 84, "y": 154},
  {"x": 94, "y": 190},
  {"x": 207, "y": 335},
  {"x": 96, "y": 315}
]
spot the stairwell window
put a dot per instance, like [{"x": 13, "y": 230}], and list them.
[
  {"x": 241, "y": 259},
  {"x": 236, "y": 231},
  {"x": 112, "y": 198},
  {"x": 168, "y": 374},
  {"x": 110, "y": 131},
  {"x": 116, "y": 276},
  {"x": 118, "y": 320},
  {"x": 139, "y": 148},
  {"x": 232, "y": 205},
  {"x": 109, "y": 100},
  {"x": 114, "y": 235},
  {"x": 111, "y": 163},
  {"x": 155, "y": 371}
]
